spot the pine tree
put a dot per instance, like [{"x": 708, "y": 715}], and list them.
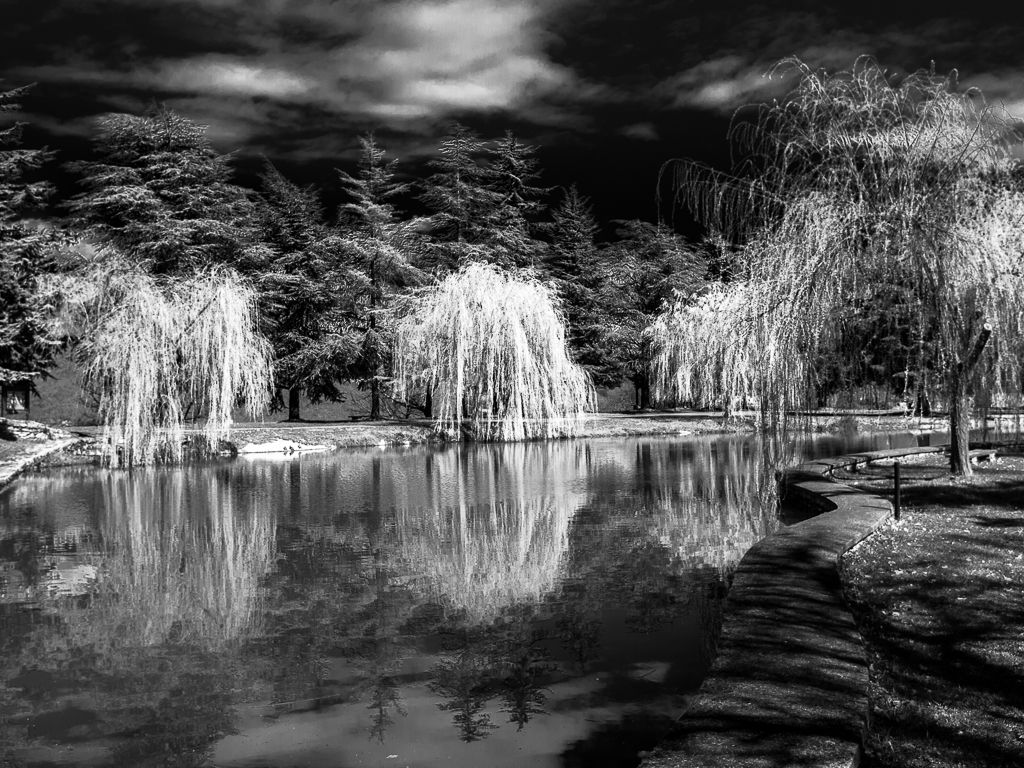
[
  {"x": 383, "y": 249},
  {"x": 513, "y": 173},
  {"x": 648, "y": 266},
  {"x": 27, "y": 346},
  {"x": 464, "y": 203},
  {"x": 161, "y": 194},
  {"x": 577, "y": 268},
  {"x": 306, "y": 287}
]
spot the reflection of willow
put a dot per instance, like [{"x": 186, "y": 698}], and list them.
[
  {"x": 180, "y": 566},
  {"x": 671, "y": 539},
  {"x": 156, "y": 647},
  {"x": 484, "y": 559},
  {"x": 496, "y": 534},
  {"x": 734, "y": 475},
  {"x": 709, "y": 502}
]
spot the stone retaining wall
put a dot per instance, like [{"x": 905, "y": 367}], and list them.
[{"x": 34, "y": 453}]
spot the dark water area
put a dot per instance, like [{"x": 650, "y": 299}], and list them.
[{"x": 542, "y": 604}]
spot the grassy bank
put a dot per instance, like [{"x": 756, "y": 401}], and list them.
[{"x": 939, "y": 599}]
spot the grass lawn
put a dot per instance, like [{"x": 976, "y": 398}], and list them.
[{"x": 939, "y": 597}]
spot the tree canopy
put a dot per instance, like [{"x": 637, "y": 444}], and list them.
[
  {"x": 384, "y": 249},
  {"x": 164, "y": 326},
  {"x": 27, "y": 345},
  {"x": 305, "y": 284},
  {"x": 161, "y": 194},
  {"x": 647, "y": 266},
  {"x": 491, "y": 346},
  {"x": 859, "y": 180}
]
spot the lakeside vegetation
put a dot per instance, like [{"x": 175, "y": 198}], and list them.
[{"x": 869, "y": 235}]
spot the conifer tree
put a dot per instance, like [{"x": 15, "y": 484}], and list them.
[
  {"x": 27, "y": 346},
  {"x": 383, "y": 250},
  {"x": 161, "y": 194},
  {"x": 513, "y": 174},
  {"x": 306, "y": 287},
  {"x": 463, "y": 200},
  {"x": 648, "y": 266},
  {"x": 578, "y": 270}
]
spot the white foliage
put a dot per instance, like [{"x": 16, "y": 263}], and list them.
[
  {"x": 162, "y": 353},
  {"x": 725, "y": 347},
  {"x": 861, "y": 184},
  {"x": 491, "y": 347}
]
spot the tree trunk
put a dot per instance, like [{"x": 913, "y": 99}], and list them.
[
  {"x": 374, "y": 399},
  {"x": 293, "y": 404},
  {"x": 643, "y": 392},
  {"x": 428, "y": 404},
  {"x": 959, "y": 407},
  {"x": 374, "y": 356},
  {"x": 959, "y": 429}
]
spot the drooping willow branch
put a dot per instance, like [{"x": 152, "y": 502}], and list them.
[
  {"x": 154, "y": 351},
  {"x": 491, "y": 347},
  {"x": 871, "y": 187}
]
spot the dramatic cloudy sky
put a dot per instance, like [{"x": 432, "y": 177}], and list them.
[{"x": 609, "y": 89}]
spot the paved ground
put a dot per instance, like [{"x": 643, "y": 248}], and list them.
[{"x": 790, "y": 684}]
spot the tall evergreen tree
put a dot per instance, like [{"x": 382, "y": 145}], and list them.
[
  {"x": 463, "y": 200},
  {"x": 578, "y": 269},
  {"x": 383, "y": 248},
  {"x": 307, "y": 288},
  {"x": 514, "y": 171},
  {"x": 648, "y": 266},
  {"x": 161, "y": 194},
  {"x": 27, "y": 346}
]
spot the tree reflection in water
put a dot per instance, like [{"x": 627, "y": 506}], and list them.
[
  {"x": 498, "y": 578},
  {"x": 153, "y": 643}
]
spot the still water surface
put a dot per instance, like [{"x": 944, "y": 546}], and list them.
[{"x": 541, "y": 604}]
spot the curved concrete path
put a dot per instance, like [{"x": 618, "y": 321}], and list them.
[{"x": 790, "y": 684}]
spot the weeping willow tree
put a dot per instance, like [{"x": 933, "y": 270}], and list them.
[
  {"x": 160, "y": 353},
  {"x": 854, "y": 182},
  {"x": 491, "y": 348},
  {"x": 738, "y": 361}
]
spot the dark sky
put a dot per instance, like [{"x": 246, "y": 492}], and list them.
[{"x": 608, "y": 89}]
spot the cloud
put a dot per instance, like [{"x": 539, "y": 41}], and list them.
[
  {"x": 82, "y": 127},
  {"x": 726, "y": 83},
  {"x": 642, "y": 131},
  {"x": 436, "y": 58},
  {"x": 1002, "y": 88},
  {"x": 204, "y": 75},
  {"x": 221, "y": 75},
  {"x": 355, "y": 64},
  {"x": 722, "y": 84}
]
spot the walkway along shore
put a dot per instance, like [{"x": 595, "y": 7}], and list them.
[{"x": 789, "y": 686}]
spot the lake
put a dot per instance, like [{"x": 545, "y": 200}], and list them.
[{"x": 542, "y": 604}]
